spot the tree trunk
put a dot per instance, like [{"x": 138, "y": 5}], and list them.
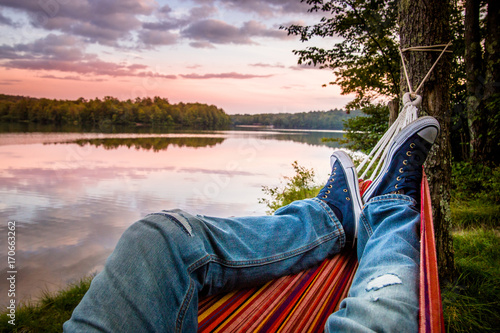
[
  {"x": 475, "y": 81},
  {"x": 393, "y": 106},
  {"x": 424, "y": 23},
  {"x": 491, "y": 100}
]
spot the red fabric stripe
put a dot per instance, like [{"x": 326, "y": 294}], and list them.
[
  {"x": 431, "y": 318},
  {"x": 261, "y": 305}
]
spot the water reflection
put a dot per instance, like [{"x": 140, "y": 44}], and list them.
[
  {"x": 156, "y": 144},
  {"x": 72, "y": 200}
]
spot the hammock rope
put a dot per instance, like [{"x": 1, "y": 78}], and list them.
[{"x": 422, "y": 48}]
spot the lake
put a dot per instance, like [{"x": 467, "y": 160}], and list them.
[{"x": 73, "y": 194}]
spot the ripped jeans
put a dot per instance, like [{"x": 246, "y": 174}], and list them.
[{"x": 166, "y": 261}]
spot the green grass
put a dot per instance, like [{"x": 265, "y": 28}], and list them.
[
  {"x": 49, "y": 313},
  {"x": 471, "y": 302},
  {"x": 474, "y": 213}
]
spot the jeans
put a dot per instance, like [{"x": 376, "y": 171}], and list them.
[{"x": 166, "y": 261}]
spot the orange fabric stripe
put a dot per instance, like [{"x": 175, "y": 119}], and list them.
[{"x": 431, "y": 312}]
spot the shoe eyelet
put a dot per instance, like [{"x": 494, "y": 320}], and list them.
[
  {"x": 398, "y": 178},
  {"x": 345, "y": 190},
  {"x": 405, "y": 162},
  {"x": 327, "y": 192},
  {"x": 348, "y": 199},
  {"x": 412, "y": 145},
  {"x": 396, "y": 186},
  {"x": 324, "y": 197},
  {"x": 332, "y": 179},
  {"x": 408, "y": 153},
  {"x": 401, "y": 170},
  {"x": 330, "y": 186}
]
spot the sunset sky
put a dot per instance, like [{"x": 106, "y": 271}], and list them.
[{"x": 229, "y": 53}]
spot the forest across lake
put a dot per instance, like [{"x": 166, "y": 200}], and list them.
[{"x": 155, "y": 112}]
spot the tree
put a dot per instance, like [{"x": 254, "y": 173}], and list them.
[
  {"x": 424, "y": 23},
  {"x": 363, "y": 133},
  {"x": 483, "y": 79},
  {"x": 366, "y": 61}
]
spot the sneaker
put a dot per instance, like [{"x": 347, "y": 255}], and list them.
[
  {"x": 402, "y": 169},
  {"x": 341, "y": 193}
]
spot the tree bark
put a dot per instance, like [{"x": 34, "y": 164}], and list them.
[
  {"x": 475, "y": 81},
  {"x": 491, "y": 99},
  {"x": 393, "y": 106},
  {"x": 424, "y": 23}
]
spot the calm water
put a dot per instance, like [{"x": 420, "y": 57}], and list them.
[{"x": 73, "y": 194}]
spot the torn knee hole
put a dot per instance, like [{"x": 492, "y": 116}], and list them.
[
  {"x": 383, "y": 281},
  {"x": 179, "y": 220}
]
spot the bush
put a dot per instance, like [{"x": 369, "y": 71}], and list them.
[
  {"x": 476, "y": 181},
  {"x": 300, "y": 186}
]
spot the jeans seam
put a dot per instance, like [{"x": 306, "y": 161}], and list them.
[
  {"x": 334, "y": 218},
  {"x": 390, "y": 197},
  {"x": 264, "y": 261},
  {"x": 184, "y": 306},
  {"x": 367, "y": 225}
]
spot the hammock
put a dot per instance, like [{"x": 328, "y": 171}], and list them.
[{"x": 303, "y": 302}]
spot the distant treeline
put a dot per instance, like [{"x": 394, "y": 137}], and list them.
[
  {"x": 111, "y": 111},
  {"x": 332, "y": 119},
  {"x": 154, "y": 112}
]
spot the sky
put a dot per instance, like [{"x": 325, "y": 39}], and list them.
[{"x": 229, "y": 53}]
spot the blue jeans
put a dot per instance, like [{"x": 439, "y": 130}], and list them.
[{"x": 166, "y": 261}]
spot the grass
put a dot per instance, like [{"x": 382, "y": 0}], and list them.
[
  {"x": 474, "y": 213},
  {"x": 470, "y": 303},
  {"x": 49, "y": 313}
]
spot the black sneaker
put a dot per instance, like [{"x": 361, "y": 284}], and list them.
[
  {"x": 341, "y": 193},
  {"x": 402, "y": 170}
]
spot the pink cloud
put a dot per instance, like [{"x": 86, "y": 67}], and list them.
[{"x": 232, "y": 75}]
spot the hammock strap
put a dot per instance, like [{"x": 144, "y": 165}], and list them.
[{"x": 422, "y": 48}]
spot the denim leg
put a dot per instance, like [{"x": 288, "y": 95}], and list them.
[
  {"x": 152, "y": 280},
  {"x": 384, "y": 293}
]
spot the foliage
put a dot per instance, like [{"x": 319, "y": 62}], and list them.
[
  {"x": 298, "y": 187},
  {"x": 363, "y": 132},
  {"x": 476, "y": 181},
  {"x": 366, "y": 59},
  {"x": 475, "y": 195},
  {"x": 50, "y": 313},
  {"x": 111, "y": 111},
  {"x": 306, "y": 120}
]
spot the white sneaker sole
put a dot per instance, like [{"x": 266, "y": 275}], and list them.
[{"x": 353, "y": 184}]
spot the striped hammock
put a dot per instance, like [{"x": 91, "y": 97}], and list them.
[{"x": 303, "y": 302}]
